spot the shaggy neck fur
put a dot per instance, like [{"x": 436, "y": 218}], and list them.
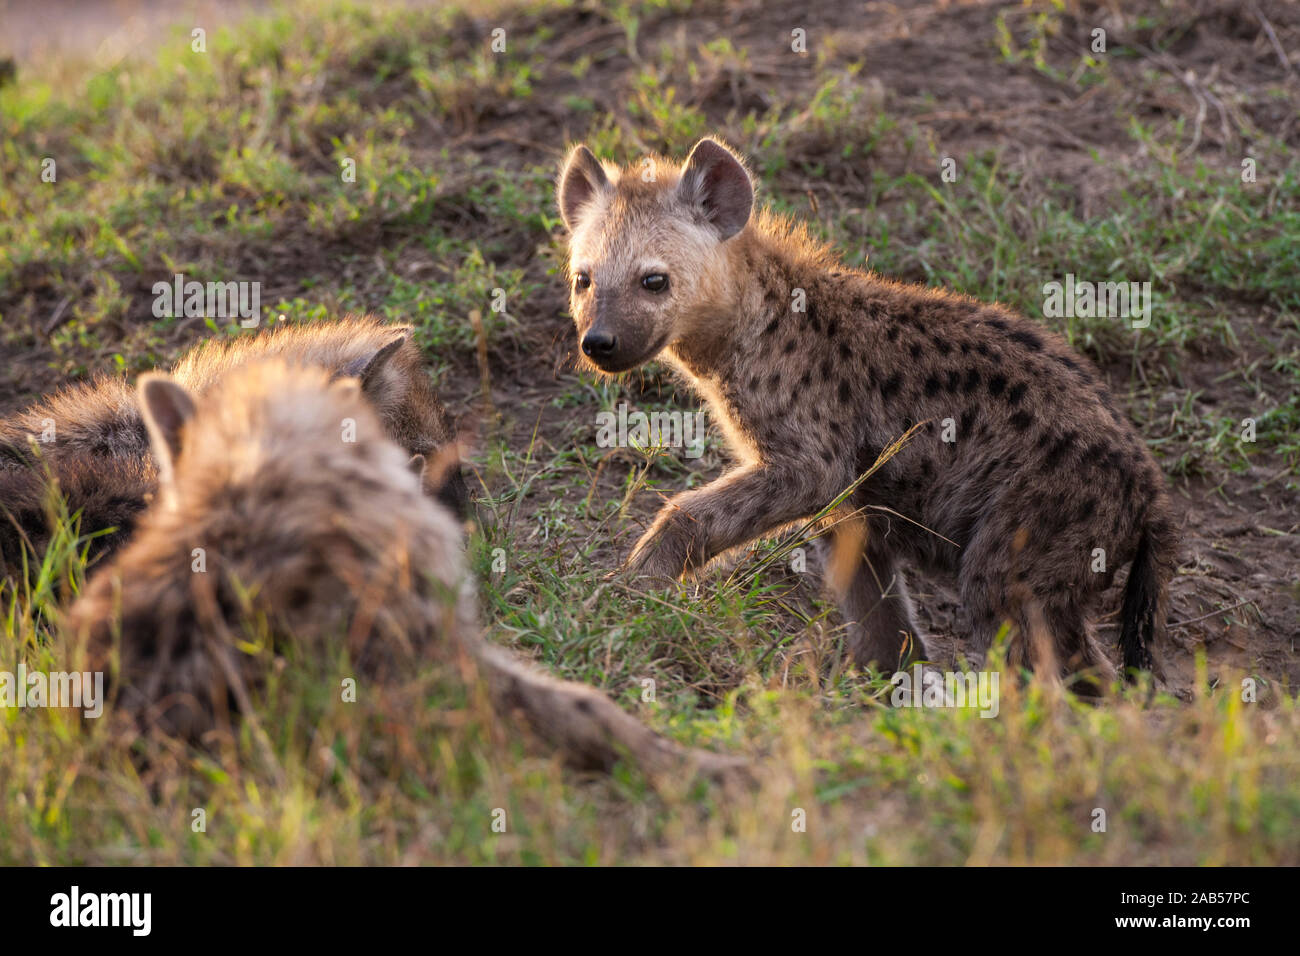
[{"x": 763, "y": 265}]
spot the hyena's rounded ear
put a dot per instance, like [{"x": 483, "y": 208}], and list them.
[
  {"x": 365, "y": 367},
  {"x": 716, "y": 184},
  {"x": 166, "y": 408},
  {"x": 581, "y": 179}
]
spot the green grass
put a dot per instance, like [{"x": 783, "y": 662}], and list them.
[
  {"x": 228, "y": 166},
  {"x": 414, "y": 773}
]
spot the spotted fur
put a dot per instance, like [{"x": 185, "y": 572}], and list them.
[{"x": 812, "y": 369}]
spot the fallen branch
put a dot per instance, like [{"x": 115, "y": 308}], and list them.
[{"x": 1173, "y": 624}]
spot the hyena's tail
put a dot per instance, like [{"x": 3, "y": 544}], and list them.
[{"x": 1143, "y": 616}]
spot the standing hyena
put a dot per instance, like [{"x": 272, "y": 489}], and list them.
[
  {"x": 282, "y": 499},
  {"x": 92, "y": 437},
  {"x": 1024, "y": 480}
]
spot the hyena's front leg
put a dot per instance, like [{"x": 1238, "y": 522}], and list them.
[
  {"x": 882, "y": 624},
  {"x": 696, "y": 526}
]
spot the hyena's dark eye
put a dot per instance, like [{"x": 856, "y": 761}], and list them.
[
  {"x": 582, "y": 281},
  {"x": 655, "y": 282}
]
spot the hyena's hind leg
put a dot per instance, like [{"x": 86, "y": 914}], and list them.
[
  {"x": 997, "y": 580},
  {"x": 1079, "y": 656},
  {"x": 995, "y": 594},
  {"x": 1052, "y": 638},
  {"x": 982, "y": 589},
  {"x": 882, "y": 629}
]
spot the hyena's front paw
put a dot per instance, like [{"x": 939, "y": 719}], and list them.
[
  {"x": 662, "y": 556},
  {"x": 650, "y": 567}
]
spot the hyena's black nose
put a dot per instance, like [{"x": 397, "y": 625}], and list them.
[{"x": 598, "y": 343}]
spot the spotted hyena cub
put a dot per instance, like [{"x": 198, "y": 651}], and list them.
[
  {"x": 92, "y": 437},
  {"x": 282, "y": 499},
  {"x": 1023, "y": 480}
]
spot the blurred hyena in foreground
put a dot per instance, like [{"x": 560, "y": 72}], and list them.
[
  {"x": 91, "y": 438},
  {"x": 284, "y": 504},
  {"x": 1023, "y": 479}
]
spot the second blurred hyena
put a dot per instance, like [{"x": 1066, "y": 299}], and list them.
[
  {"x": 92, "y": 439},
  {"x": 282, "y": 500},
  {"x": 1025, "y": 481}
]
